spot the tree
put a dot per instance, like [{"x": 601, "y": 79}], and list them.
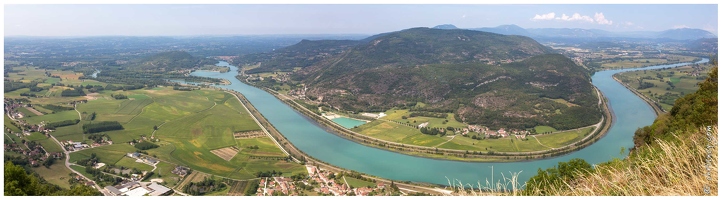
[{"x": 557, "y": 176}]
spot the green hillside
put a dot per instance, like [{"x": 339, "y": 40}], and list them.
[{"x": 483, "y": 78}]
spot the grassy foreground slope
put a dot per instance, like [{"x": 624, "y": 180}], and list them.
[{"x": 676, "y": 155}]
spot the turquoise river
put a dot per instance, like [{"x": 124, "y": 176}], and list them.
[{"x": 629, "y": 110}]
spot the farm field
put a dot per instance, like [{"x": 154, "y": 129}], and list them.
[
  {"x": 35, "y": 136},
  {"x": 394, "y": 132},
  {"x": 190, "y": 125},
  {"x": 50, "y": 145},
  {"x": 356, "y": 183},
  {"x": 238, "y": 188},
  {"x": 641, "y": 62},
  {"x": 107, "y": 154},
  {"x": 164, "y": 170},
  {"x": 544, "y": 129},
  {"x": 8, "y": 124},
  {"x": 26, "y": 112},
  {"x": 667, "y": 85},
  {"x": 508, "y": 144},
  {"x": 131, "y": 163},
  {"x": 65, "y": 115},
  {"x": 449, "y": 121},
  {"x": 561, "y": 139},
  {"x": 57, "y": 174},
  {"x": 193, "y": 177}
]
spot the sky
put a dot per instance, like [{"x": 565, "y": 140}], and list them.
[{"x": 188, "y": 20}]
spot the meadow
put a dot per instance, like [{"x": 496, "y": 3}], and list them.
[
  {"x": 129, "y": 162},
  {"x": 661, "y": 91},
  {"x": 357, "y": 183},
  {"x": 394, "y": 132},
  {"x": 556, "y": 140},
  {"x": 449, "y": 121},
  {"x": 641, "y": 62},
  {"x": 57, "y": 174}
]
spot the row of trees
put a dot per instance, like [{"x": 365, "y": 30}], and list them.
[
  {"x": 432, "y": 131},
  {"x": 268, "y": 173},
  {"x": 145, "y": 145},
  {"x": 53, "y": 125},
  {"x": 102, "y": 126},
  {"x": 78, "y": 91}
]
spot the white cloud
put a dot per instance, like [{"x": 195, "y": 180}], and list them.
[
  {"x": 548, "y": 16},
  {"x": 575, "y": 17},
  {"x": 599, "y": 18},
  {"x": 628, "y": 23},
  {"x": 463, "y": 16}
]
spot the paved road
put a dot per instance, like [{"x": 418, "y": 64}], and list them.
[{"x": 67, "y": 165}]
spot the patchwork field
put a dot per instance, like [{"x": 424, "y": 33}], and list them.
[
  {"x": 226, "y": 153},
  {"x": 667, "y": 84},
  {"x": 238, "y": 188},
  {"x": 641, "y": 62},
  {"x": 194, "y": 123}
]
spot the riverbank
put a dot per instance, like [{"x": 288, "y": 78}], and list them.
[
  {"x": 451, "y": 154},
  {"x": 656, "y": 107},
  {"x": 304, "y": 158}
]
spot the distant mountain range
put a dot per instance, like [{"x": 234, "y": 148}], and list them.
[{"x": 538, "y": 33}]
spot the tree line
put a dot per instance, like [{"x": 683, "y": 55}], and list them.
[{"x": 101, "y": 126}]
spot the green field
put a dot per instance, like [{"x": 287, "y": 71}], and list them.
[
  {"x": 57, "y": 174},
  {"x": 34, "y": 136},
  {"x": 107, "y": 154},
  {"x": 544, "y": 129},
  {"x": 164, "y": 170},
  {"x": 193, "y": 124},
  {"x": 508, "y": 144},
  {"x": 394, "y": 132},
  {"x": 8, "y": 124},
  {"x": 641, "y": 62},
  {"x": 662, "y": 92},
  {"x": 50, "y": 145},
  {"x": 26, "y": 112},
  {"x": 449, "y": 121},
  {"x": 65, "y": 115},
  {"x": 356, "y": 183},
  {"x": 561, "y": 139},
  {"x": 130, "y": 163},
  {"x": 81, "y": 170}
]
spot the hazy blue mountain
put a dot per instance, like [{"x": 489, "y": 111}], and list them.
[
  {"x": 445, "y": 26},
  {"x": 506, "y": 30},
  {"x": 686, "y": 34}
]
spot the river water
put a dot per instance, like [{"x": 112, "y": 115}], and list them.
[{"x": 629, "y": 110}]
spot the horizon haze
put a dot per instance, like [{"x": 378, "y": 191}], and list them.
[{"x": 245, "y": 19}]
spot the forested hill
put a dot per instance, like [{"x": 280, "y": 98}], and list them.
[
  {"x": 484, "y": 78},
  {"x": 172, "y": 60},
  {"x": 153, "y": 70},
  {"x": 419, "y": 46},
  {"x": 302, "y": 54}
]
